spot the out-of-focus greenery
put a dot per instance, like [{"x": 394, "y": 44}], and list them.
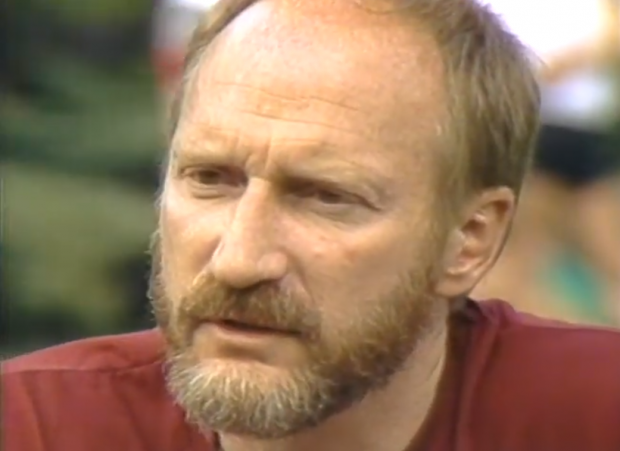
[
  {"x": 95, "y": 11},
  {"x": 81, "y": 139},
  {"x": 101, "y": 124}
]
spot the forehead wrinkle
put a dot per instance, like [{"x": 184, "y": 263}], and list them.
[
  {"x": 309, "y": 142},
  {"x": 209, "y": 102},
  {"x": 202, "y": 142},
  {"x": 295, "y": 102},
  {"x": 315, "y": 152},
  {"x": 300, "y": 121},
  {"x": 274, "y": 87},
  {"x": 301, "y": 105}
]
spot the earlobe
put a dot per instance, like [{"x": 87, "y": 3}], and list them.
[{"x": 474, "y": 246}]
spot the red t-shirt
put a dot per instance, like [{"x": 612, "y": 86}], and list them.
[{"x": 515, "y": 383}]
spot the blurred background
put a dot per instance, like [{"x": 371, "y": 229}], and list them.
[
  {"x": 80, "y": 144},
  {"x": 83, "y": 86}
]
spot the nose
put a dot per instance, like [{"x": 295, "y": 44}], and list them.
[{"x": 248, "y": 253}]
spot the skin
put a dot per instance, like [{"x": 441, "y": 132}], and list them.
[{"x": 297, "y": 168}]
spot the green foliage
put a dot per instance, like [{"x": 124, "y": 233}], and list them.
[
  {"x": 79, "y": 162},
  {"x": 67, "y": 233},
  {"x": 91, "y": 11},
  {"x": 96, "y": 123}
]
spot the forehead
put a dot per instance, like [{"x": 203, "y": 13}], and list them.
[{"x": 299, "y": 71}]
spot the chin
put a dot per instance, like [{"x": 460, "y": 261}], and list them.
[
  {"x": 245, "y": 397},
  {"x": 239, "y": 370}
]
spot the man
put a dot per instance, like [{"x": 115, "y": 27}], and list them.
[{"x": 341, "y": 174}]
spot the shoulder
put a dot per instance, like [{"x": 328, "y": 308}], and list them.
[
  {"x": 541, "y": 376},
  {"x": 530, "y": 340},
  {"x": 94, "y": 390},
  {"x": 84, "y": 368},
  {"x": 108, "y": 353}
]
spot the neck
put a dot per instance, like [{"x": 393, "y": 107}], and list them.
[{"x": 386, "y": 420}]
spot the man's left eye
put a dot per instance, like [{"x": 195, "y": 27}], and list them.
[
  {"x": 331, "y": 197},
  {"x": 326, "y": 196}
]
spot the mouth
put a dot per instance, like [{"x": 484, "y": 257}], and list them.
[{"x": 249, "y": 328}]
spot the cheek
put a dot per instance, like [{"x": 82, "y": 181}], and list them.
[
  {"x": 350, "y": 272},
  {"x": 189, "y": 236}
]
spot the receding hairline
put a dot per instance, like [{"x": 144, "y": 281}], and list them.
[
  {"x": 411, "y": 43},
  {"x": 224, "y": 13}
]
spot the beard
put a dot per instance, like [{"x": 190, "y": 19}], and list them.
[{"x": 343, "y": 362}]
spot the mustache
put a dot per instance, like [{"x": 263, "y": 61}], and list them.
[{"x": 266, "y": 306}]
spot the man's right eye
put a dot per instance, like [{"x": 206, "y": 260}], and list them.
[
  {"x": 212, "y": 181},
  {"x": 209, "y": 177}
]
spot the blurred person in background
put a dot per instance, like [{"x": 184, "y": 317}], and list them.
[
  {"x": 572, "y": 198},
  {"x": 173, "y": 24}
]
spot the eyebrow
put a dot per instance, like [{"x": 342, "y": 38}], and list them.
[
  {"x": 311, "y": 167},
  {"x": 343, "y": 174},
  {"x": 211, "y": 146}
]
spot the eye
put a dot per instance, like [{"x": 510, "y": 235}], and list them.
[
  {"x": 326, "y": 196},
  {"x": 214, "y": 181},
  {"x": 214, "y": 176},
  {"x": 331, "y": 197},
  {"x": 207, "y": 177}
]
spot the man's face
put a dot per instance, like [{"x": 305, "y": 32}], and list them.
[{"x": 298, "y": 241}]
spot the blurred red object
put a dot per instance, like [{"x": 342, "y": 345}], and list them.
[{"x": 174, "y": 23}]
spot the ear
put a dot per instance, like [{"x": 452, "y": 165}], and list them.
[{"x": 474, "y": 245}]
